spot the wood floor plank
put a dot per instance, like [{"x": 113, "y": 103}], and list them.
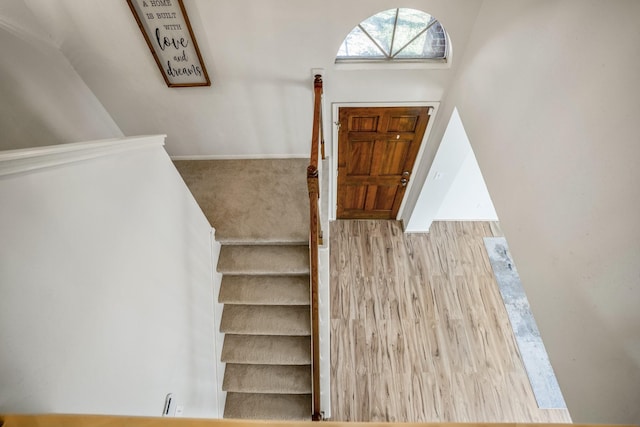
[{"x": 419, "y": 332}]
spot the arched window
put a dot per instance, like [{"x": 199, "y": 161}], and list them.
[{"x": 395, "y": 35}]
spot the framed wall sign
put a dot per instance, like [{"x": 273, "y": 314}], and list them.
[{"x": 166, "y": 28}]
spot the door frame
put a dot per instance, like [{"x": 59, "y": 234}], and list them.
[{"x": 335, "y": 106}]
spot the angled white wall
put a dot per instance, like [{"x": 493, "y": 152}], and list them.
[
  {"x": 468, "y": 198},
  {"x": 106, "y": 280},
  {"x": 43, "y": 100},
  {"x": 454, "y": 189}
]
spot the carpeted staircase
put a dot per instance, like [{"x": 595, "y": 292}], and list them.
[
  {"x": 260, "y": 218},
  {"x": 265, "y": 291}
]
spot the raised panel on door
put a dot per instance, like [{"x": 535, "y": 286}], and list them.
[
  {"x": 391, "y": 157},
  {"x": 360, "y": 158}
]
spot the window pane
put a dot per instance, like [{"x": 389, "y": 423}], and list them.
[
  {"x": 410, "y": 23},
  {"x": 431, "y": 44},
  {"x": 436, "y": 42},
  {"x": 358, "y": 44},
  {"x": 380, "y": 27},
  {"x": 414, "y": 49}
]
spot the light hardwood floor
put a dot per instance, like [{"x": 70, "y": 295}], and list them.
[{"x": 419, "y": 332}]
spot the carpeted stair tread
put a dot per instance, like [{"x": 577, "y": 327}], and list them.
[
  {"x": 266, "y": 320},
  {"x": 264, "y": 259},
  {"x": 262, "y": 241},
  {"x": 268, "y": 406},
  {"x": 266, "y": 290},
  {"x": 281, "y": 379},
  {"x": 266, "y": 350}
]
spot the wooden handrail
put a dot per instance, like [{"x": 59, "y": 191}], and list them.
[
  {"x": 313, "y": 185},
  {"x": 317, "y": 134}
]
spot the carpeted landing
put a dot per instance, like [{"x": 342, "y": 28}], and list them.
[
  {"x": 251, "y": 201},
  {"x": 259, "y": 209}
]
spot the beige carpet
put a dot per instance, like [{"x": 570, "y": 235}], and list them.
[
  {"x": 259, "y": 209},
  {"x": 251, "y": 200}
]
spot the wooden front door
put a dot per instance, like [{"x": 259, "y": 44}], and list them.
[{"x": 377, "y": 148}]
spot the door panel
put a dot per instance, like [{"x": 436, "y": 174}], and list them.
[
  {"x": 364, "y": 123},
  {"x": 377, "y": 148},
  {"x": 400, "y": 123},
  {"x": 392, "y": 156},
  {"x": 360, "y": 158}
]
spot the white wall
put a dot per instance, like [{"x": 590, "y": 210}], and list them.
[
  {"x": 549, "y": 97},
  {"x": 468, "y": 198},
  {"x": 107, "y": 297},
  {"x": 454, "y": 189},
  {"x": 259, "y": 55},
  {"x": 43, "y": 100}
]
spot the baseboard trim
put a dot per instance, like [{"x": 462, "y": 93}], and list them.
[{"x": 240, "y": 156}]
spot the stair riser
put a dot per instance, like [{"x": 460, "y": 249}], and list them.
[
  {"x": 276, "y": 379},
  {"x": 266, "y": 320},
  {"x": 268, "y": 406},
  {"x": 264, "y": 290},
  {"x": 264, "y": 260},
  {"x": 266, "y": 350}
]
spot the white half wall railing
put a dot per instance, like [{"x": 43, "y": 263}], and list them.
[
  {"x": 30, "y": 159},
  {"x": 324, "y": 295},
  {"x": 107, "y": 283}
]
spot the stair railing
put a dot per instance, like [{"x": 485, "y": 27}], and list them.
[{"x": 315, "y": 239}]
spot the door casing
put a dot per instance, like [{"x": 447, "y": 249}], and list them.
[{"x": 334, "y": 147}]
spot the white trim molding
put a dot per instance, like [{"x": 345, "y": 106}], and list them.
[
  {"x": 26, "y": 34},
  {"x": 30, "y": 159},
  {"x": 360, "y": 65}
]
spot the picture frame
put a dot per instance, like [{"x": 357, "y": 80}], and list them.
[{"x": 168, "y": 33}]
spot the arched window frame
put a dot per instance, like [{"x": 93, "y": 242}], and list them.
[{"x": 392, "y": 53}]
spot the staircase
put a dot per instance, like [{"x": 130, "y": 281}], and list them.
[
  {"x": 265, "y": 292},
  {"x": 259, "y": 209}
]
